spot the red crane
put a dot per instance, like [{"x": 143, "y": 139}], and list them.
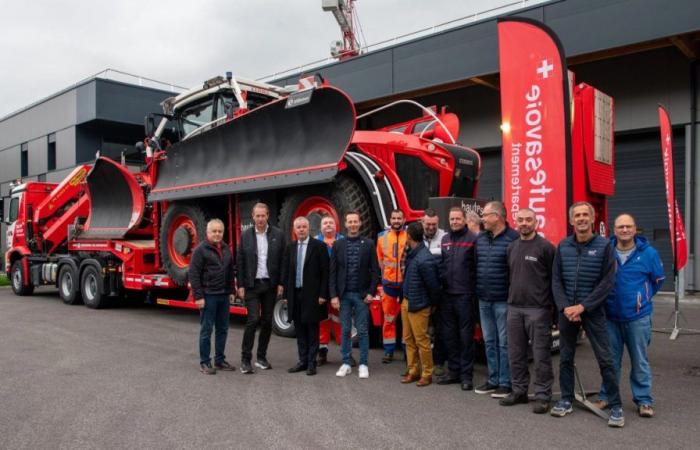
[{"x": 343, "y": 11}]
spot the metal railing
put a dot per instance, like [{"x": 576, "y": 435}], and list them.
[{"x": 511, "y": 6}]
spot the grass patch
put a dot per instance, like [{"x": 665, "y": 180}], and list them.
[{"x": 4, "y": 281}]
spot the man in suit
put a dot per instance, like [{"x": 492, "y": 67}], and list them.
[
  {"x": 305, "y": 281},
  {"x": 259, "y": 262},
  {"x": 354, "y": 276}
]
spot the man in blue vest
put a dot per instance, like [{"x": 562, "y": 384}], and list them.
[
  {"x": 492, "y": 283},
  {"x": 640, "y": 275},
  {"x": 582, "y": 278}
]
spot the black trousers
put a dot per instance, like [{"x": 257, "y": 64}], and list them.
[
  {"x": 525, "y": 327},
  {"x": 260, "y": 302},
  {"x": 595, "y": 325},
  {"x": 307, "y": 336},
  {"x": 457, "y": 327},
  {"x": 439, "y": 347}
]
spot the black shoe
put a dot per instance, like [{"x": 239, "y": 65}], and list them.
[
  {"x": 485, "y": 388},
  {"x": 322, "y": 357},
  {"x": 311, "y": 371},
  {"x": 467, "y": 386},
  {"x": 540, "y": 406},
  {"x": 207, "y": 369},
  {"x": 501, "y": 392},
  {"x": 298, "y": 368},
  {"x": 246, "y": 367},
  {"x": 224, "y": 365},
  {"x": 513, "y": 399},
  {"x": 448, "y": 380},
  {"x": 353, "y": 363},
  {"x": 262, "y": 363},
  {"x": 387, "y": 358}
]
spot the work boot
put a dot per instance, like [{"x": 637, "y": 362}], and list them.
[
  {"x": 387, "y": 358},
  {"x": 540, "y": 406},
  {"x": 311, "y": 371},
  {"x": 513, "y": 399},
  {"x": 467, "y": 386}
]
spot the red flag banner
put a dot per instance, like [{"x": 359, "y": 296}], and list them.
[
  {"x": 535, "y": 124},
  {"x": 679, "y": 242}
]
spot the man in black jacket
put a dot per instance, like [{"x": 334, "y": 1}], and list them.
[
  {"x": 421, "y": 290},
  {"x": 530, "y": 305},
  {"x": 354, "y": 276},
  {"x": 305, "y": 280},
  {"x": 259, "y": 263},
  {"x": 211, "y": 274},
  {"x": 458, "y": 273},
  {"x": 582, "y": 277}
]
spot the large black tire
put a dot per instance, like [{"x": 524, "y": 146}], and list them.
[
  {"x": 17, "y": 276},
  {"x": 91, "y": 288},
  {"x": 342, "y": 195},
  {"x": 184, "y": 226},
  {"x": 69, "y": 285},
  {"x": 279, "y": 320}
]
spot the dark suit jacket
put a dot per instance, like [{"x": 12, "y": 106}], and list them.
[
  {"x": 247, "y": 260},
  {"x": 314, "y": 281},
  {"x": 369, "y": 275}
]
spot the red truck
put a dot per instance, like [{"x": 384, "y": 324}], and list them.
[{"x": 129, "y": 228}]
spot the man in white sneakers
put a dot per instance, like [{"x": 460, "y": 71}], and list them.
[{"x": 353, "y": 280}]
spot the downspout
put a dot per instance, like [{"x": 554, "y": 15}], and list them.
[{"x": 692, "y": 210}]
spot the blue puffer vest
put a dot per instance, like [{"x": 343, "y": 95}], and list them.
[
  {"x": 581, "y": 266},
  {"x": 492, "y": 265}
]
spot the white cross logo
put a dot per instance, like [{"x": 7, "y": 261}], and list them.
[
  {"x": 668, "y": 140},
  {"x": 545, "y": 69}
]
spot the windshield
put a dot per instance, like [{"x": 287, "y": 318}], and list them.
[
  {"x": 14, "y": 207},
  {"x": 196, "y": 116}
]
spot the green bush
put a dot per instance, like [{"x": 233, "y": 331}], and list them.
[{"x": 3, "y": 280}]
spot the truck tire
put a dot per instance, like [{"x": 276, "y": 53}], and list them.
[
  {"x": 69, "y": 286},
  {"x": 279, "y": 320},
  {"x": 184, "y": 226},
  {"x": 343, "y": 195},
  {"x": 90, "y": 282},
  {"x": 17, "y": 275}
]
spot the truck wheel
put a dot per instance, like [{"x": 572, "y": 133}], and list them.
[
  {"x": 18, "y": 286},
  {"x": 343, "y": 195},
  {"x": 90, "y": 288},
  {"x": 183, "y": 228},
  {"x": 279, "y": 320},
  {"x": 69, "y": 286}
]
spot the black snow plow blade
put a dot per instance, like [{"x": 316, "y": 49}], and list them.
[
  {"x": 271, "y": 147},
  {"x": 116, "y": 201}
]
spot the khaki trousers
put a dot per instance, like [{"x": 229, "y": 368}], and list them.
[{"x": 415, "y": 336}]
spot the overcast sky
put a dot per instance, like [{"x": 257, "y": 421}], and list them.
[{"x": 47, "y": 45}]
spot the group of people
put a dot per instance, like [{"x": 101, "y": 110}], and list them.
[{"x": 431, "y": 280}]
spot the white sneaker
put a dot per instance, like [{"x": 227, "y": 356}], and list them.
[
  {"x": 345, "y": 369},
  {"x": 364, "y": 371}
]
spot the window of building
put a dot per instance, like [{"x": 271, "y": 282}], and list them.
[
  {"x": 51, "y": 152},
  {"x": 25, "y": 160}
]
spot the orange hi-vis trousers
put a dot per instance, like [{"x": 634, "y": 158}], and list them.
[{"x": 332, "y": 323}]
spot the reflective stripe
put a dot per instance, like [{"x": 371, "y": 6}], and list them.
[
  {"x": 388, "y": 317},
  {"x": 390, "y": 263}
]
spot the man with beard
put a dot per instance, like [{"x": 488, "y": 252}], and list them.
[
  {"x": 529, "y": 320},
  {"x": 391, "y": 244}
]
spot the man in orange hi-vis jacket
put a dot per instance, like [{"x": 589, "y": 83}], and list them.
[{"x": 390, "y": 248}]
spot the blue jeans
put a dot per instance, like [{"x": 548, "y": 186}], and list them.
[
  {"x": 215, "y": 314},
  {"x": 636, "y": 336},
  {"x": 353, "y": 303},
  {"x": 493, "y": 324}
]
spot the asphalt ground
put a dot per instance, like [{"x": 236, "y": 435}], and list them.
[{"x": 127, "y": 377}]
